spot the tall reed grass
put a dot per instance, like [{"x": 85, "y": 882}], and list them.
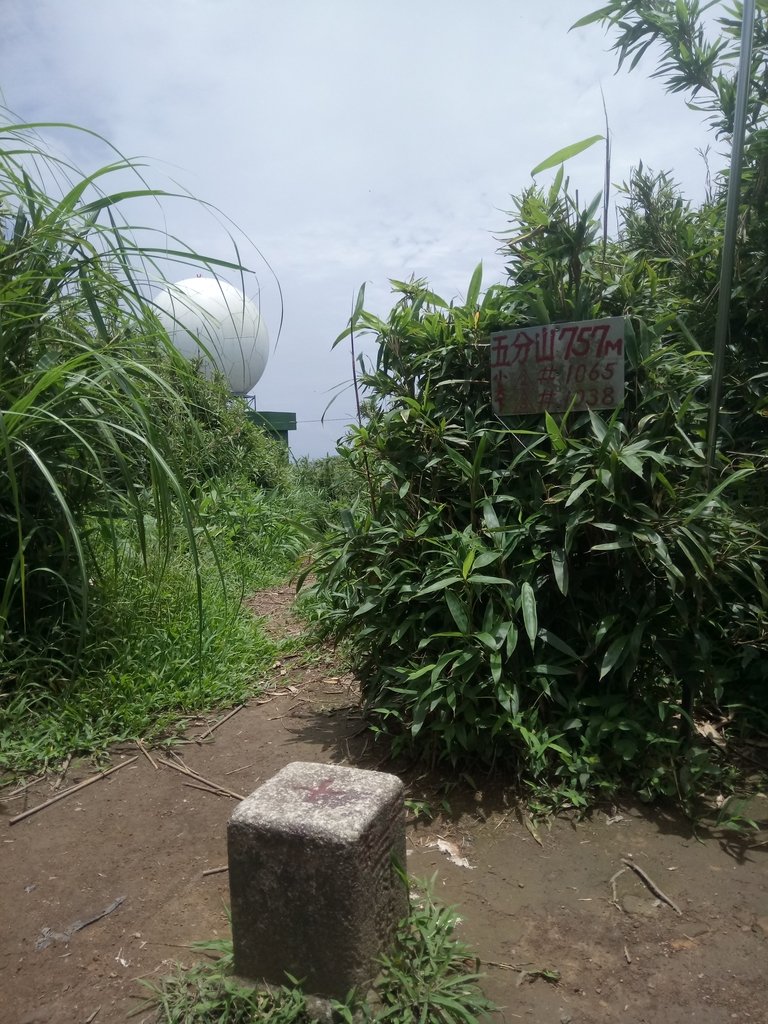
[{"x": 121, "y": 575}]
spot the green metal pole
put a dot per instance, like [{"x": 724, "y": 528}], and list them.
[{"x": 731, "y": 224}]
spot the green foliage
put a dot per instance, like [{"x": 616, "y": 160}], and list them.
[
  {"x": 210, "y": 435},
  {"x": 542, "y": 596},
  {"x": 425, "y": 978},
  {"x": 134, "y": 510},
  {"x": 209, "y": 994},
  {"x": 559, "y": 596},
  {"x": 82, "y": 370},
  {"x": 566, "y": 153},
  {"x": 330, "y": 485},
  {"x": 152, "y": 661},
  {"x": 688, "y": 61}
]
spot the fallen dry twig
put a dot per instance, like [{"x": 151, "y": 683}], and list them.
[
  {"x": 614, "y": 894},
  {"x": 71, "y": 790},
  {"x": 649, "y": 882},
  {"x": 186, "y": 770},
  {"x": 507, "y": 967},
  {"x": 146, "y": 753},
  {"x": 63, "y": 772},
  {"x": 214, "y": 791},
  {"x": 22, "y": 789},
  {"x": 216, "y": 871},
  {"x": 221, "y": 721}
]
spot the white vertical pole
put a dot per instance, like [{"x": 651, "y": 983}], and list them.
[{"x": 731, "y": 223}]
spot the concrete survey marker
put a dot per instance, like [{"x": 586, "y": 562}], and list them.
[{"x": 312, "y": 877}]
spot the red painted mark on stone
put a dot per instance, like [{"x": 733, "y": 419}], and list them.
[{"x": 324, "y": 793}]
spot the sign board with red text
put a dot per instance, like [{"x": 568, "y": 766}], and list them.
[{"x": 551, "y": 366}]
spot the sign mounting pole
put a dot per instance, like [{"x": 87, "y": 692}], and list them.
[{"x": 731, "y": 223}]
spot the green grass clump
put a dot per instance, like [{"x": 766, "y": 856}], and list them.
[
  {"x": 424, "y": 979},
  {"x": 156, "y": 664},
  {"x": 161, "y": 650}
]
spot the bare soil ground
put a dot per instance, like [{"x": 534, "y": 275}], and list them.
[{"x": 529, "y": 902}]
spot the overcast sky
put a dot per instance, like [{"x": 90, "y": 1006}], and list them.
[{"x": 350, "y": 140}]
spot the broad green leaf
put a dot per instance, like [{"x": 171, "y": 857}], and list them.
[
  {"x": 554, "y": 641},
  {"x": 457, "y": 609},
  {"x": 546, "y": 669},
  {"x": 434, "y": 300},
  {"x": 487, "y": 640},
  {"x": 599, "y": 428},
  {"x": 560, "y": 569},
  {"x": 598, "y": 15},
  {"x": 577, "y": 493},
  {"x": 528, "y": 605},
  {"x": 632, "y": 463},
  {"x": 566, "y": 153},
  {"x": 490, "y": 518},
  {"x": 557, "y": 184},
  {"x": 447, "y": 581},
  {"x": 665, "y": 483},
  {"x": 367, "y": 606},
  {"x": 495, "y": 666},
  {"x": 419, "y": 714},
  {"x": 469, "y": 561},
  {"x": 486, "y": 558},
  {"x": 614, "y": 655},
  {"x": 555, "y": 435},
  {"x": 511, "y": 639},
  {"x": 473, "y": 292}
]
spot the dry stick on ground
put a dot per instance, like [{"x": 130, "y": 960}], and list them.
[
  {"x": 216, "y": 871},
  {"x": 71, "y": 790},
  {"x": 186, "y": 770},
  {"x": 652, "y": 885},
  {"x": 214, "y": 791},
  {"x": 22, "y": 789},
  {"x": 507, "y": 967},
  {"x": 614, "y": 894},
  {"x": 63, "y": 772},
  {"x": 240, "y": 769},
  {"x": 221, "y": 721},
  {"x": 146, "y": 753}
]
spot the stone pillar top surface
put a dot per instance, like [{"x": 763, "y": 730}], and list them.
[{"x": 331, "y": 800}]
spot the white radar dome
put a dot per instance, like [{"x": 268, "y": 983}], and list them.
[{"x": 209, "y": 319}]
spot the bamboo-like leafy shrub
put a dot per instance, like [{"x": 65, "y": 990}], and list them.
[
  {"x": 562, "y": 596},
  {"x": 534, "y": 593}
]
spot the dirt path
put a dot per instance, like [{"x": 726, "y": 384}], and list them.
[{"x": 544, "y": 902}]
